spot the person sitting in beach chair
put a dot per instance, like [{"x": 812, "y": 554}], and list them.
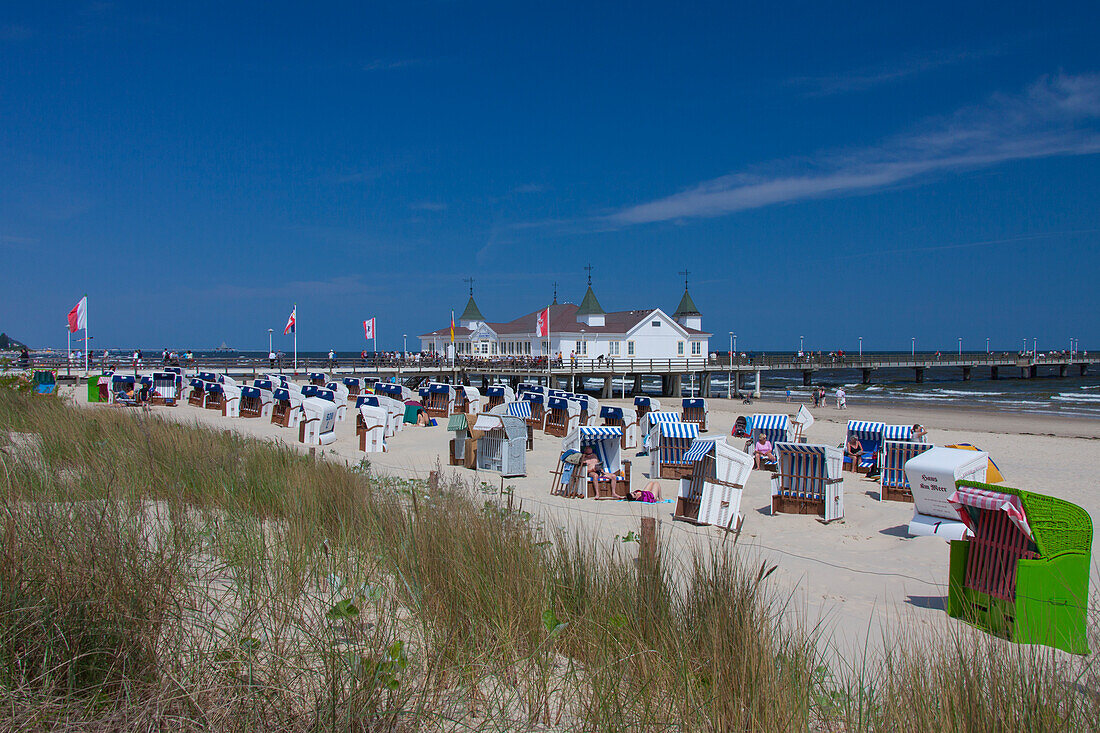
[
  {"x": 762, "y": 451},
  {"x": 595, "y": 470},
  {"x": 918, "y": 433},
  {"x": 854, "y": 449}
]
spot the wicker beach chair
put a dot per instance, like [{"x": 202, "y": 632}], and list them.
[
  {"x": 712, "y": 494},
  {"x": 808, "y": 481}
]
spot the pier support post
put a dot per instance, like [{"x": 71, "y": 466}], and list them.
[
  {"x": 966, "y": 374},
  {"x": 867, "y": 376},
  {"x": 1033, "y": 372},
  {"x": 1084, "y": 369},
  {"x": 675, "y": 385},
  {"x": 704, "y": 385},
  {"x": 807, "y": 375},
  {"x": 606, "y": 394},
  {"x": 756, "y": 387},
  {"x": 1063, "y": 369},
  {"x": 994, "y": 372},
  {"x": 637, "y": 388},
  {"x": 919, "y": 373}
]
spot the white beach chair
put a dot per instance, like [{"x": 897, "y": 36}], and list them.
[
  {"x": 287, "y": 407},
  {"x": 501, "y": 444},
  {"x": 712, "y": 494},
  {"x": 318, "y": 423},
  {"x": 694, "y": 409},
  {"x": 625, "y": 418},
  {"x": 932, "y": 479},
  {"x": 669, "y": 442},
  {"x": 371, "y": 428}
]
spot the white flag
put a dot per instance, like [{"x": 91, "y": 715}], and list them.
[
  {"x": 368, "y": 329},
  {"x": 78, "y": 316}
]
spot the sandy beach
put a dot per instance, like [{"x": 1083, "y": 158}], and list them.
[{"x": 860, "y": 580}]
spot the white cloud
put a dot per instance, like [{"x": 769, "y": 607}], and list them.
[
  {"x": 1055, "y": 116},
  {"x": 868, "y": 78}
]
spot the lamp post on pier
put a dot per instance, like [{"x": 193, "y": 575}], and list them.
[
  {"x": 860, "y": 347},
  {"x": 914, "y": 340},
  {"x": 987, "y": 345},
  {"x": 960, "y": 346},
  {"x": 729, "y": 381}
]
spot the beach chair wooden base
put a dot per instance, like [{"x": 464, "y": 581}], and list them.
[
  {"x": 280, "y": 414},
  {"x": 791, "y": 505},
  {"x": 361, "y": 433},
  {"x": 251, "y": 407},
  {"x": 896, "y": 494},
  {"x": 530, "y": 437},
  {"x": 451, "y": 460},
  {"x": 493, "y": 402},
  {"x": 687, "y": 510},
  {"x": 555, "y": 429},
  {"x": 470, "y": 459},
  {"x": 196, "y": 399},
  {"x": 214, "y": 402},
  {"x": 672, "y": 471},
  {"x": 601, "y": 488}
]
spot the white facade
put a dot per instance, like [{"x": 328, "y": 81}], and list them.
[{"x": 651, "y": 335}]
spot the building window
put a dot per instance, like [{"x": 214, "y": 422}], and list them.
[
  {"x": 696, "y": 348},
  {"x": 630, "y": 348},
  {"x": 656, "y": 324},
  {"x": 680, "y": 348},
  {"x": 613, "y": 348},
  {"x": 584, "y": 348},
  {"x": 527, "y": 348}
]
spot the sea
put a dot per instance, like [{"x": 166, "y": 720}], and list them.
[{"x": 1046, "y": 393}]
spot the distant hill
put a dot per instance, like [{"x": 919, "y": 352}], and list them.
[{"x": 7, "y": 343}]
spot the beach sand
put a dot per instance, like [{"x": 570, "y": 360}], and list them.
[{"x": 860, "y": 581}]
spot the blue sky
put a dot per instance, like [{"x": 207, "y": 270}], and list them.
[{"x": 826, "y": 172}]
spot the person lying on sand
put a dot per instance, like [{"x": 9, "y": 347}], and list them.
[{"x": 651, "y": 494}]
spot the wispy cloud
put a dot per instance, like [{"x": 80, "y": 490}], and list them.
[
  {"x": 866, "y": 78},
  {"x": 1055, "y": 116},
  {"x": 393, "y": 64},
  {"x": 428, "y": 206}
]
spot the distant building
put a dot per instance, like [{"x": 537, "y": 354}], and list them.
[{"x": 584, "y": 329}]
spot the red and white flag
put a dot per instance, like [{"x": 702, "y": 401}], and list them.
[
  {"x": 368, "y": 329},
  {"x": 291, "y": 322},
  {"x": 543, "y": 328},
  {"x": 78, "y": 316}
]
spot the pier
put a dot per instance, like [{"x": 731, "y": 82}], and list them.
[{"x": 674, "y": 374}]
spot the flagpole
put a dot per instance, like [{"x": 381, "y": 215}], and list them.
[
  {"x": 85, "y": 335},
  {"x": 295, "y": 311},
  {"x": 69, "y": 351}
]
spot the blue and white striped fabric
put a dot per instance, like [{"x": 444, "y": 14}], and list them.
[
  {"x": 802, "y": 470},
  {"x": 611, "y": 413},
  {"x": 679, "y": 430},
  {"x": 864, "y": 428},
  {"x": 898, "y": 432},
  {"x": 894, "y": 456},
  {"x": 532, "y": 397},
  {"x": 662, "y": 417},
  {"x": 698, "y": 450},
  {"x": 367, "y": 399},
  {"x": 769, "y": 422},
  {"x": 801, "y": 449},
  {"x": 600, "y": 432},
  {"x": 693, "y": 402},
  {"x": 520, "y": 409}
]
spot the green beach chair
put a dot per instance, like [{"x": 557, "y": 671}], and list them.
[{"x": 1023, "y": 575}]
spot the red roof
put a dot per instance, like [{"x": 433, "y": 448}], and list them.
[{"x": 563, "y": 319}]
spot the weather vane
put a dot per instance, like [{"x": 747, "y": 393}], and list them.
[
  {"x": 589, "y": 268},
  {"x": 555, "y": 291},
  {"x": 469, "y": 280},
  {"x": 685, "y": 273}
]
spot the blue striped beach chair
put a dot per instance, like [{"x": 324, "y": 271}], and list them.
[
  {"x": 808, "y": 481},
  {"x": 870, "y": 436},
  {"x": 536, "y": 402},
  {"x": 669, "y": 443},
  {"x": 893, "y": 479},
  {"x": 605, "y": 442}
]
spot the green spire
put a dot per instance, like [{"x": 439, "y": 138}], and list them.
[
  {"x": 686, "y": 307},
  {"x": 472, "y": 312},
  {"x": 589, "y": 305}
]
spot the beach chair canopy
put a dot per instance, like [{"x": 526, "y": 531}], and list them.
[
  {"x": 318, "y": 375},
  {"x": 967, "y": 500},
  {"x": 521, "y": 409},
  {"x": 604, "y": 441},
  {"x": 438, "y": 388},
  {"x": 678, "y": 429},
  {"x": 325, "y": 394},
  {"x": 263, "y": 384},
  {"x": 497, "y": 390},
  {"x": 213, "y": 388},
  {"x": 647, "y": 401},
  {"x": 250, "y": 392},
  {"x": 129, "y": 379},
  {"x": 699, "y": 449},
  {"x": 557, "y": 393},
  {"x": 866, "y": 430},
  {"x": 309, "y": 390},
  {"x": 693, "y": 402},
  {"x": 513, "y": 427},
  {"x": 768, "y": 423},
  {"x": 536, "y": 397},
  {"x": 367, "y": 399},
  {"x": 563, "y": 403},
  {"x": 656, "y": 417},
  {"x": 897, "y": 432},
  {"x": 208, "y": 376},
  {"x": 352, "y": 382},
  {"x": 457, "y": 422},
  {"x": 387, "y": 388},
  {"x": 146, "y": 380},
  {"x": 993, "y": 474},
  {"x": 607, "y": 412}
]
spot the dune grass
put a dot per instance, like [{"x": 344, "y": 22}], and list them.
[{"x": 157, "y": 575}]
